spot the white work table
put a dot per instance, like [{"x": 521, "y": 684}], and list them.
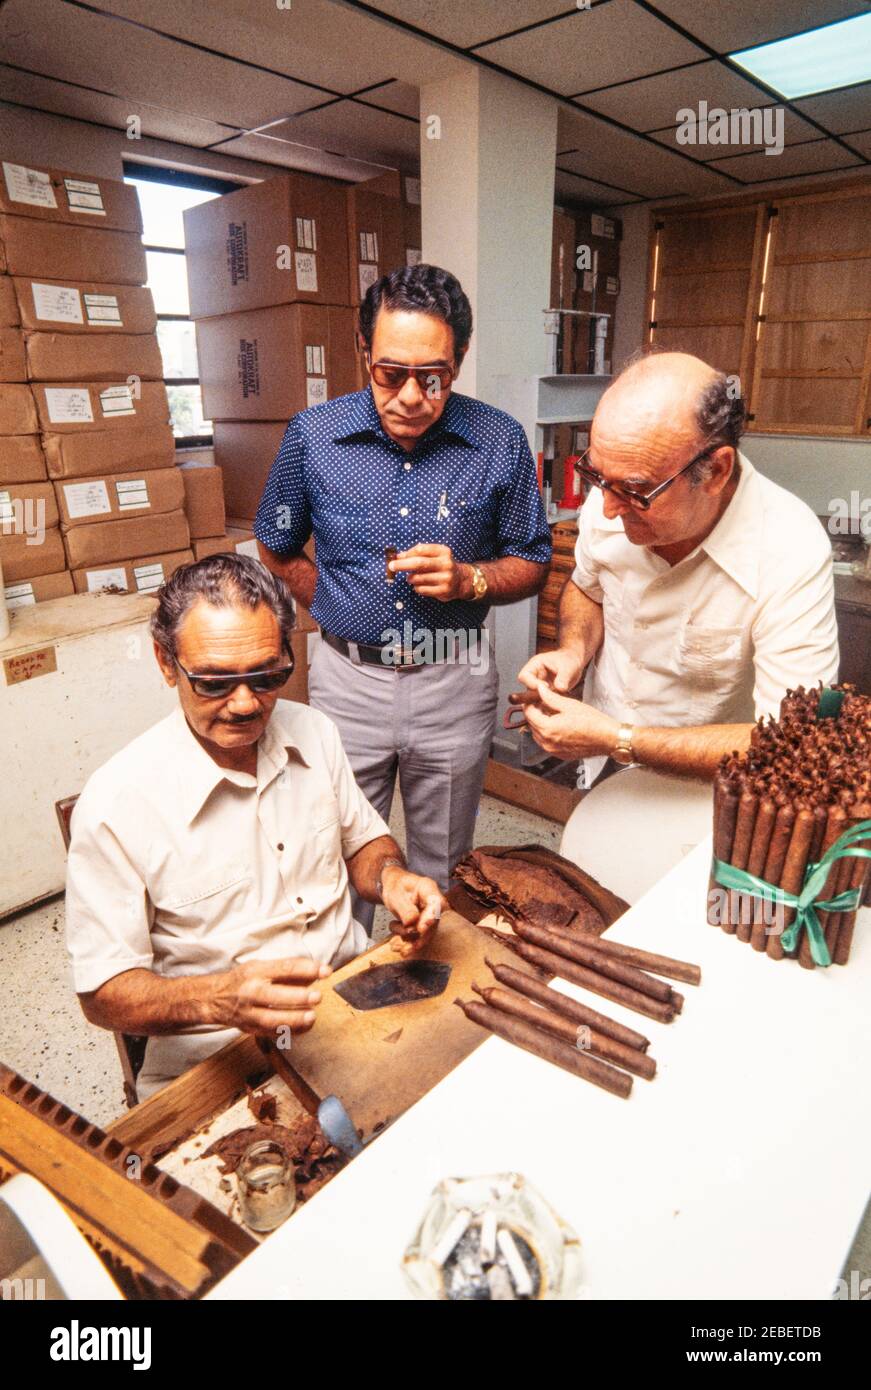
[{"x": 741, "y": 1171}]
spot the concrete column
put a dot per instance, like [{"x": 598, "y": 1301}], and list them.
[{"x": 488, "y": 158}]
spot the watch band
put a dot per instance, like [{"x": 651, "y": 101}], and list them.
[
  {"x": 479, "y": 582},
  {"x": 386, "y": 864},
  {"x": 623, "y": 752}
]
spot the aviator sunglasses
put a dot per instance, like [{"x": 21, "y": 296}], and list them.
[
  {"x": 217, "y": 687},
  {"x": 393, "y": 375}
]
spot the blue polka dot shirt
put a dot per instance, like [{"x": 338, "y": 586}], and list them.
[{"x": 469, "y": 483}]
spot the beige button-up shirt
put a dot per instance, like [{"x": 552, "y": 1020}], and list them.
[
  {"x": 183, "y": 867},
  {"x": 721, "y": 636}
]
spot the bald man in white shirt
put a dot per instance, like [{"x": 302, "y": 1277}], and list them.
[
  {"x": 702, "y": 591},
  {"x": 210, "y": 860}
]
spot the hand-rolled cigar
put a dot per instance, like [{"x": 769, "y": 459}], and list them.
[
  {"x": 835, "y": 822},
  {"x": 846, "y": 921},
  {"x": 793, "y": 875},
  {"x": 725, "y": 820},
  {"x": 546, "y": 1046},
  {"x": 765, "y": 818},
  {"x": 577, "y": 1035},
  {"x": 739, "y": 903},
  {"x": 633, "y": 955},
  {"x": 560, "y": 1003},
  {"x": 577, "y": 950},
  {"x": 780, "y": 838},
  {"x": 598, "y": 984}
]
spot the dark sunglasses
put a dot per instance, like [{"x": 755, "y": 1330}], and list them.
[
  {"x": 393, "y": 376},
  {"x": 642, "y": 500},
  {"x": 217, "y": 687}
]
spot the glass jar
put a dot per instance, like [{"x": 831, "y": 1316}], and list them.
[{"x": 267, "y": 1186}]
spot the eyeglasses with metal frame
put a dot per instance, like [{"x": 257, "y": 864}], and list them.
[{"x": 641, "y": 500}]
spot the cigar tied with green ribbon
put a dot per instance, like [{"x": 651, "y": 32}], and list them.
[{"x": 808, "y": 902}]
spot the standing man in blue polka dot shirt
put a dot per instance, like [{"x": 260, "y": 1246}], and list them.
[{"x": 425, "y": 510}]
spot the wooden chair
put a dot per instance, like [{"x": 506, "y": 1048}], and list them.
[{"x": 131, "y": 1047}]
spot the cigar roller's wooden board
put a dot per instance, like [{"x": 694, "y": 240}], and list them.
[{"x": 380, "y": 1061}]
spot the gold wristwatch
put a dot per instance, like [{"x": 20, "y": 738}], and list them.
[
  {"x": 623, "y": 752},
  {"x": 479, "y": 582}
]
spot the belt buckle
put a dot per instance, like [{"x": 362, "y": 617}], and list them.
[{"x": 403, "y": 657}]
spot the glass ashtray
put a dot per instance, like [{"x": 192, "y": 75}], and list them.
[{"x": 492, "y": 1238}]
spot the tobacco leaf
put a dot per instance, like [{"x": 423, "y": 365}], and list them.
[{"x": 533, "y": 892}]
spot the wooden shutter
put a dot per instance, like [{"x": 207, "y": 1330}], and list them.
[
  {"x": 813, "y": 357},
  {"x": 702, "y": 296}
]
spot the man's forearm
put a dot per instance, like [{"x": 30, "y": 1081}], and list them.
[
  {"x": 364, "y": 869},
  {"x": 508, "y": 579},
  {"x": 299, "y": 573},
  {"x": 690, "y": 752},
  {"x": 139, "y": 1001},
  {"x": 581, "y": 622}
]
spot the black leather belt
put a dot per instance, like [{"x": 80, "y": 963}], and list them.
[{"x": 389, "y": 655}]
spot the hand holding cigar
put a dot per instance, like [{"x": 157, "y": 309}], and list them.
[{"x": 413, "y": 930}]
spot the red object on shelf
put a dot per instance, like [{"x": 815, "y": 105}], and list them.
[
  {"x": 572, "y": 497},
  {"x": 539, "y": 471}
]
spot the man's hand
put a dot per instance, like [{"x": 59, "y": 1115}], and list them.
[
  {"x": 263, "y": 995},
  {"x": 561, "y": 669},
  {"x": 416, "y": 903},
  {"x": 569, "y": 728},
  {"x": 433, "y": 572}
]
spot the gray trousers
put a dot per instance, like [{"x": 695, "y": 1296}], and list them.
[{"x": 434, "y": 724}]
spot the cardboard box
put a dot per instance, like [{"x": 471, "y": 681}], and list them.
[
  {"x": 268, "y": 364},
  {"x": 141, "y": 576},
  {"x": 211, "y": 545},
  {"x": 81, "y": 357},
  {"x": 245, "y": 452},
  {"x": 388, "y": 183},
  {"x": 27, "y": 508},
  {"x": 376, "y": 238},
  {"x": 84, "y": 501},
  {"x": 282, "y": 241},
  {"x": 241, "y": 538},
  {"x": 203, "y": 498},
  {"x": 79, "y": 407},
  {"x": 26, "y": 557},
  {"x": 54, "y": 250},
  {"x": 9, "y": 316},
  {"x": 90, "y": 454},
  {"x": 57, "y": 306},
  {"x": 107, "y": 542},
  {"x": 21, "y": 459},
  {"x": 243, "y": 541},
  {"x": 562, "y": 263},
  {"x": 17, "y": 410},
  {"x": 56, "y": 195},
  {"x": 412, "y": 233},
  {"x": 13, "y": 366},
  {"x": 36, "y": 590}
]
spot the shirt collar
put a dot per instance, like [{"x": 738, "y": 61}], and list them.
[
  {"x": 198, "y": 774},
  {"x": 362, "y": 419},
  {"x": 733, "y": 545}
]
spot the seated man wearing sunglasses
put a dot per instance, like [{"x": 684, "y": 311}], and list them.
[
  {"x": 702, "y": 591},
  {"x": 210, "y": 861},
  {"x": 425, "y": 511}
]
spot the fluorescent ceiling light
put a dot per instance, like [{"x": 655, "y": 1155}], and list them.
[{"x": 838, "y": 55}]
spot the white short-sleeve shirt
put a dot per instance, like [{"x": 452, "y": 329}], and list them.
[
  {"x": 721, "y": 636},
  {"x": 182, "y": 867}
]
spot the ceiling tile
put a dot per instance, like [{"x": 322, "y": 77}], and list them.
[
  {"x": 401, "y": 97},
  {"x": 315, "y": 41},
  {"x": 861, "y": 141},
  {"x": 815, "y": 158},
  {"x": 98, "y": 52},
  {"x": 158, "y": 122},
  {"x": 849, "y": 109},
  {"x": 351, "y": 129},
  {"x": 591, "y": 48},
  {"x": 743, "y": 23},
  {"x": 653, "y": 102},
  {"x": 795, "y": 130},
  {"x": 301, "y": 157},
  {"x": 572, "y": 189},
  {"x": 473, "y": 21},
  {"x": 647, "y": 170}
]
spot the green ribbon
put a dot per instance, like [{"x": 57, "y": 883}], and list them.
[{"x": 807, "y": 903}]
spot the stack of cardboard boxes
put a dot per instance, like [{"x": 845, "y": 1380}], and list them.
[
  {"x": 87, "y": 458},
  {"x": 585, "y": 275}
]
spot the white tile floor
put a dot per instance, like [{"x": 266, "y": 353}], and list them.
[{"x": 44, "y": 1035}]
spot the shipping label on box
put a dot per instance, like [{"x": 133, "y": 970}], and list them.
[
  {"x": 148, "y": 577},
  {"x": 315, "y": 390},
  {"x": 84, "y": 196},
  {"x": 367, "y": 275},
  {"x": 69, "y": 405},
  {"x": 31, "y": 186},
  {"x": 315, "y": 360},
  {"x": 237, "y": 251},
  {"x": 132, "y": 494},
  {"x": 306, "y": 233},
  {"x": 19, "y": 595},
  {"x": 248, "y": 548},
  {"x": 601, "y": 226},
  {"x": 57, "y": 303},
  {"x": 413, "y": 255},
  {"x": 117, "y": 400},
  {"x": 87, "y": 499},
  {"x": 106, "y": 579},
  {"x": 306, "y": 266},
  {"x": 102, "y": 308},
  {"x": 368, "y": 246},
  {"x": 612, "y": 284}
]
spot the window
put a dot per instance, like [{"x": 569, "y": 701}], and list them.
[
  {"x": 164, "y": 195},
  {"x": 777, "y": 292}
]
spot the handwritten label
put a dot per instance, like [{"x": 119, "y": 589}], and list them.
[{"x": 30, "y": 665}]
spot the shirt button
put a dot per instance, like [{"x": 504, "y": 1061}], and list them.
[
  {"x": 279, "y": 846},
  {"x": 403, "y": 511},
  {"x": 400, "y": 604},
  {"x": 408, "y": 467}
]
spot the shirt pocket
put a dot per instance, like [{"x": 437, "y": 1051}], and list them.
[
  {"x": 205, "y": 897},
  {"x": 469, "y": 530},
  {"x": 343, "y": 533},
  {"x": 713, "y": 662}
]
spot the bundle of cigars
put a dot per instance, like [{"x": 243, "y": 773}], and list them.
[{"x": 800, "y": 797}]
